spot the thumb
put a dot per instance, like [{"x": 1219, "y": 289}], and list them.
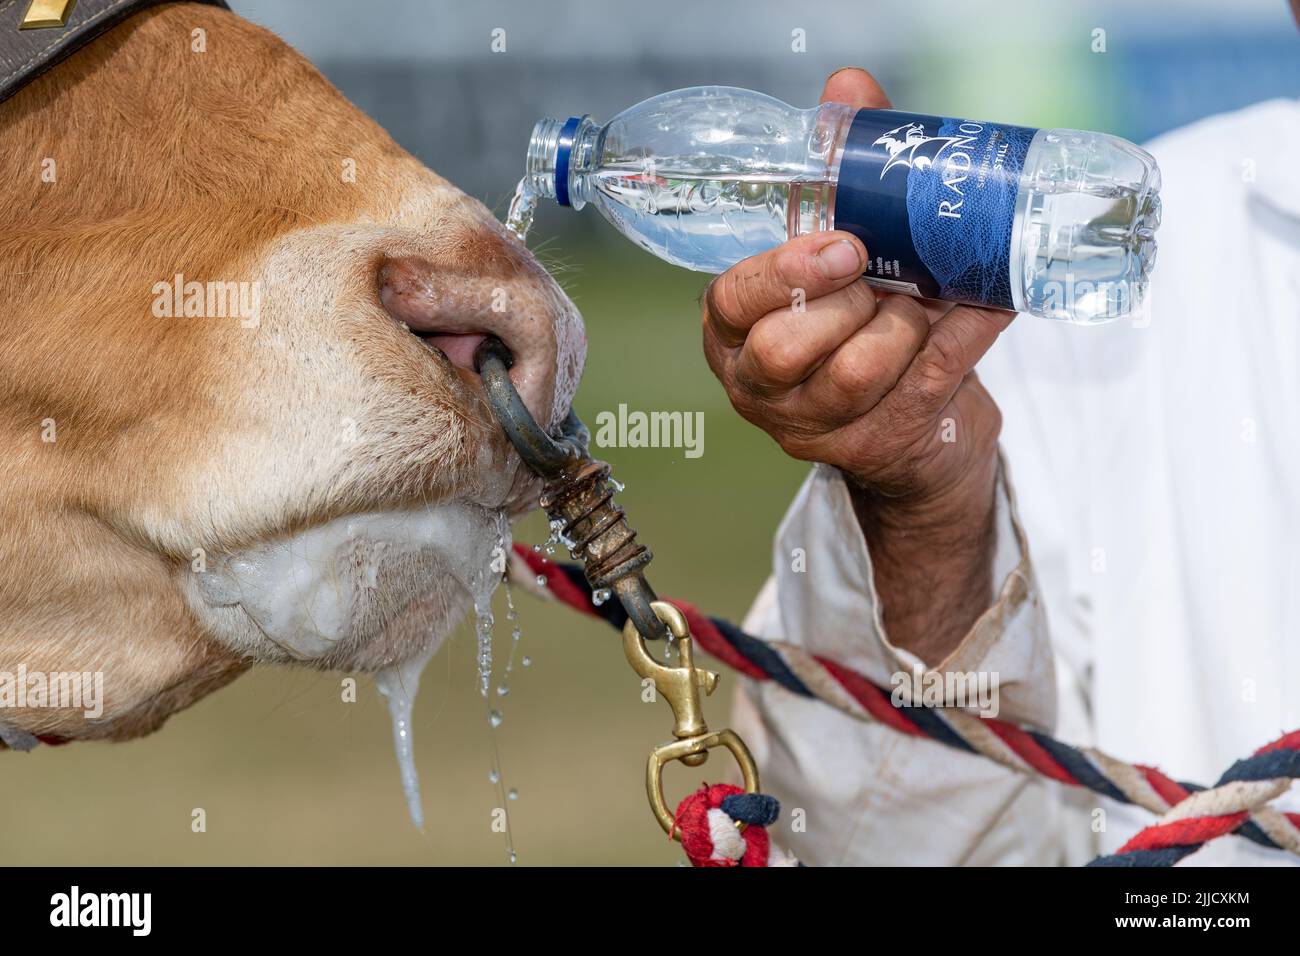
[{"x": 854, "y": 87}]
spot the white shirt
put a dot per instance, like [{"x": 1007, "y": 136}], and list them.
[{"x": 1157, "y": 466}]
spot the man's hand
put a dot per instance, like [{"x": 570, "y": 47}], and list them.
[{"x": 880, "y": 386}]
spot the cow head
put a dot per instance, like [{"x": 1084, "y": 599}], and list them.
[{"x": 238, "y": 416}]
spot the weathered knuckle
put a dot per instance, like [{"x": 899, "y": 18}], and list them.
[
  {"x": 729, "y": 297},
  {"x": 794, "y": 445},
  {"x": 853, "y": 372},
  {"x": 777, "y": 358},
  {"x": 942, "y": 356},
  {"x": 750, "y": 410},
  {"x": 755, "y": 386},
  {"x": 744, "y": 399},
  {"x": 719, "y": 301}
]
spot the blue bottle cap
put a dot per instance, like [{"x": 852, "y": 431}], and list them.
[{"x": 562, "y": 150}]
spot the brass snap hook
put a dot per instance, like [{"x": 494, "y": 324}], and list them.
[{"x": 681, "y": 686}]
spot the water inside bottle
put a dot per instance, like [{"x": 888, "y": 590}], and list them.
[
  {"x": 699, "y": 222},
  {"x": 1086, "y": 232},
  {"x": 709, "y": 223}
]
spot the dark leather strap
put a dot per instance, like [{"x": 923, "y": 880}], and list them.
[{"x": 32, "y": 39}]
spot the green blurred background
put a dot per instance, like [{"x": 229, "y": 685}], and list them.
[{"x": 290, "y": 774}]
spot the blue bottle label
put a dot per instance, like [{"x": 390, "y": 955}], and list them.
[{"x": 933, "y": 199}]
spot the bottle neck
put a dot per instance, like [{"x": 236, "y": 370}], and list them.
[{"x": 560, "y": 155}]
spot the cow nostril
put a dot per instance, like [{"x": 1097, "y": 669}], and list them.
[
  {"x": 492, "y": 347},
  {"x": 451, "y": 314}
]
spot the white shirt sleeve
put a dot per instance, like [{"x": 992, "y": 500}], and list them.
[{"x": 867, "y": 793}]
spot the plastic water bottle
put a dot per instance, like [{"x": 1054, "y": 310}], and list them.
[{"x": 1055, "y": 222}]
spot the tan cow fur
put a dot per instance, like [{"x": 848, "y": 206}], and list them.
[{"x": 177, "y": 436}]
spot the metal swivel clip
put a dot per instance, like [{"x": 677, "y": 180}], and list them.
[{"x": 681, "y": 686}]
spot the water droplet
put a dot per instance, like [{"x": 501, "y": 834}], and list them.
[
  {"x": 516, "y": 634},
  {"x": 483, "y": 628},
  {"x": 600, "y": 596},
  {"x": 495, "y": 718},
  {"x": 493, "y": 776},
  {"x": 541, "y": 580},
  {"x": 514, "y": 857},
  {"x": 513, "y": 794},
  {"x": 557, "y": 533},
  {"x": 527, "y": 662}
]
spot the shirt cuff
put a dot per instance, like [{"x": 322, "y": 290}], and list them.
[{"x": 823, "y": 597}]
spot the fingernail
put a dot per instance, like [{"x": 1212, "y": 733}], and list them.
[{"x": 839, "y": 259}]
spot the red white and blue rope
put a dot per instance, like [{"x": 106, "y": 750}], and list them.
[{"x": 1190, "y": 815}]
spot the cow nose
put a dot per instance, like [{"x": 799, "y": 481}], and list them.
[{"x": 454, "y": 302}]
